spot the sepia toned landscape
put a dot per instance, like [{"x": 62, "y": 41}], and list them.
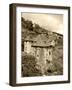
[{"x": 41, "y": 49}]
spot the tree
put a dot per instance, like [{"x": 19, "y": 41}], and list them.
[
  {"x": 36, "y": 28},
  {"x": 27, "y": 24},
  {"x": 29, "y": 66}
]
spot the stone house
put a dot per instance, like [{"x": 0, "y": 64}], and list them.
[{"x": 40, "y": 47}]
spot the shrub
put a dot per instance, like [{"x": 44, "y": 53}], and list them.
[{"x": 29, "y": 66}]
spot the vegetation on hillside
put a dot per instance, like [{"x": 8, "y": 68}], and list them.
[
  {"x": 29, "y": 66},
  {"x": 29, "y": 61}
]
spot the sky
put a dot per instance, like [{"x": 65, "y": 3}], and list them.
[{"x": 51, "y": 22}]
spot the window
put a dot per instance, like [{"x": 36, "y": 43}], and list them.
[
  {"x": 47, "y": 61},
  {"x": 22, "y": 46},
  {"x": 32, "y": 42},
  {"x": 49, "y": 53},
  {"x": 37, "y": 55}
]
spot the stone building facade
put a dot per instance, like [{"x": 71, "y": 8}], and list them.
[{"x": 41, "y": 48}]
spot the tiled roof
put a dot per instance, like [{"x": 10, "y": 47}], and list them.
[
  {"x": 42, "y": 41},
  {"x": 30, "y": 37}
]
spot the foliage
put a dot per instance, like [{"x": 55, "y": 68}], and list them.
[
  {"x": 54, "y": 69},
  {"x": 27, "y": 24},
  {"x": 29, "y": 62},
  {"x": 58, "y": 59},
  {"x": 29, "y": 66}
]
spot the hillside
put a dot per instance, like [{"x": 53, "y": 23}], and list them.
[
  {"x": 32, "y": 30},
  {"x": 28, "y": 28}
]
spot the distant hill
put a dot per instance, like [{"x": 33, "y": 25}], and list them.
[{"x": 28, "y": 28}]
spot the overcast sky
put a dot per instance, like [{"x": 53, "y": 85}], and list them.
[{"x": 51, "y": 22}]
